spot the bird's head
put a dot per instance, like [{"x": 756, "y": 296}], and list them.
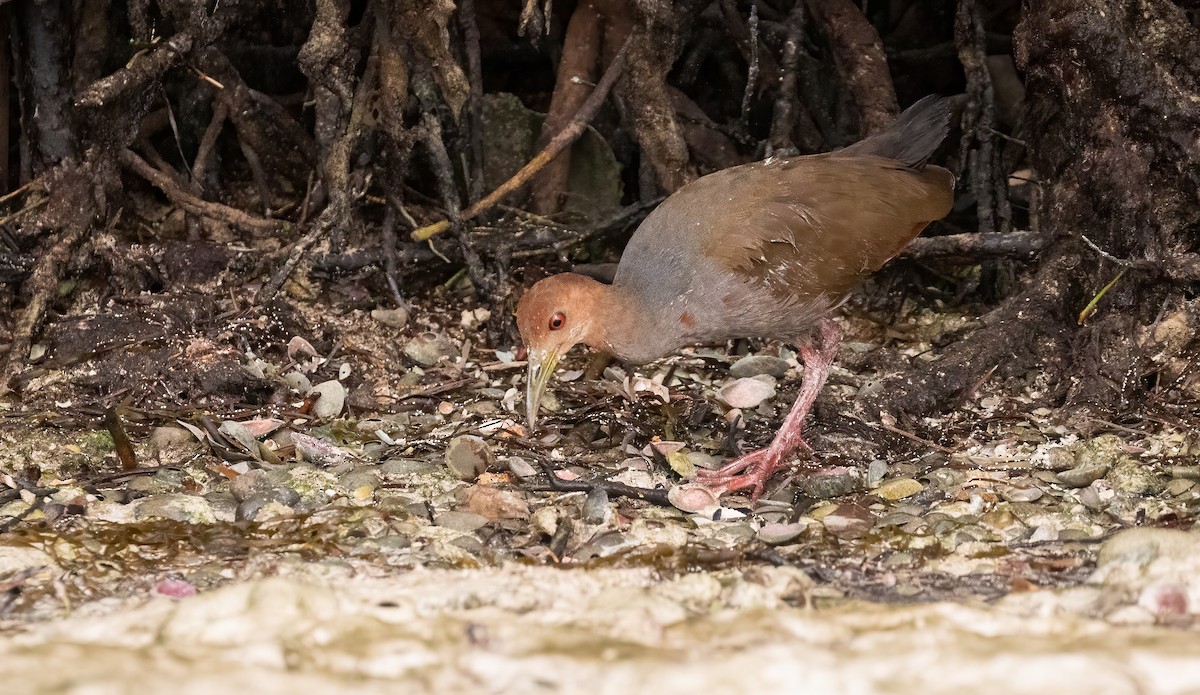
[{"x": 555, "y": 315}]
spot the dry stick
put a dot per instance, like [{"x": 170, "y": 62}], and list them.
[
  {"x": 559, "y": 143},
  {"x": 977, "y": 245},
  {"x": 191, "y": 203}
]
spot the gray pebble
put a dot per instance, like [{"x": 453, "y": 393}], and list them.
[
  {"x": 1136, "y": 478},
  {"x": 754, "y": 365},
  {"x": 176, "y": 507},
  {"x": 780, "y": 534},
  {"x": 249, "y": 483},
  {"x": 427, "y": 348},
  {"x": 359, "y": 477},
  {"x": 1082, "y": 476},
  {"x": 595, "y": 506},
  {"x": 466, "y": 522},
  {"x": 876, "y": 470},
  {"x": 392, "y": 318},
  {"x": 830, "y": 483}
]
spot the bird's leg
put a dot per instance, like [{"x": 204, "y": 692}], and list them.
[{"x": 752, "y": 470}]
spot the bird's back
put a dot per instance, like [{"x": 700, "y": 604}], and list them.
[{"x": 764, "y": 249}]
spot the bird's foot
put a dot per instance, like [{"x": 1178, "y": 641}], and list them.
[{"x": 751, "y": 470}]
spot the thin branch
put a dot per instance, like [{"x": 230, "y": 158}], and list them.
[
  {"x": 191, "y": 203},
  {"x": 559, "y": 143}
]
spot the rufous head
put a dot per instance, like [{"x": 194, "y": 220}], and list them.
[{"x": 555, "y": 315}]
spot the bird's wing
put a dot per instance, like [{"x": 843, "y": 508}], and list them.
[{"x": 813, "y": 227}]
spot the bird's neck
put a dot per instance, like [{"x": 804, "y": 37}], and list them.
[{"x": 625, "y": 327}]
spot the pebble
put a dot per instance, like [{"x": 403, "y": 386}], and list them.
[
  {"x": 162, "y": 438},
  {"x": 396, "y": 470},
  {"x": 876, "y": 470},
  {"x": 754, "y": 365},
  {"x": 746, "y": 393},
  {"x": 1179, "y": 486},
  {"x": 262, "y": 508},
  {"x": 333, "y": 398},
  {"x": 520, "y": 467},
  {"x": 177, "y": 507},
  {"x": 392, "y": 318},
  {"x": 829, "y": 483},
  {"x": 780, "y": 534},
  {"x": 1135, "y": 478},
  {"x": 1082, "y": 476},
  {"x": 249, "y": 483},
  {"x": 223, "y": 504},
  {"x": 848, "y": 521},
  {"x": 595, "y": 506},
  {"x": 898, "y": 489},
  {"x": 428, "y": 348},
  {"x": 467, "y": 456},
  {"x": 464, "y": 522}
]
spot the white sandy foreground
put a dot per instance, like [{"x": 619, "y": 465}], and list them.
[{"x": 516, "y": 629}]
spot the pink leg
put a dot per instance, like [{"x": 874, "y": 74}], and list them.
[{"x": 817, "y": 352}]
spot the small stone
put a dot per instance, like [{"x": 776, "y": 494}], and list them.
[
  {"x": 546, "y": 520},
  {"x": 224, "y": 505},
  {"x": 876, "y": 470},
  {"x": 849, "y": 521},
  {"x": 1135, "y": 478},
  {"x": 249, "y": 483},
  {"x": 163, "y": 438},
  {"x": 176, "y": 507},
  {"x": 520, "y": 467},
  {"x": 754, "y": 365},
  {"x": 494, "y": 503},
  {"x": 828, "y": 483},
  {"x": 359, "y": 477},
  {"x": 467, "y": 456},
  {"x": 428, "y": 348},
  {"x": 898, "y": 489},
  {"x": 1179, "y": 486},
  {"x": 392, "y": 318},
  {"x": 1189, "y": 472},
  {"x": 595, "y": 506},
  {"x": 297, "y": 382},
  {"x": 693, "y": 498},
  {"x": 464, "y": 522},
  {"x": 333, "y": 398},
  {"x": 262, "y": 508},
  {"x": 746, "y": 393},
  {"x": 399, "y": 470},
  {"x": 1082, "y": 476},
  {"x": 780, "y": 534}
]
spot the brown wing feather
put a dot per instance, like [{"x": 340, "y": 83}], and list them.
[{"x": 815, "y": 226}]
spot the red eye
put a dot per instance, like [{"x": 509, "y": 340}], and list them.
[{"x": 558, "y": 321}]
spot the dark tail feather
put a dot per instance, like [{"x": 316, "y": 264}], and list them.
[{"x": 914, "y": 136}]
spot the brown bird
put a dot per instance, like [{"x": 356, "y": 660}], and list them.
[{"x": 762, "y": 250}]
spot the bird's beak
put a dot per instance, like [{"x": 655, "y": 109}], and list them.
[{"x": 541, "y": 366}]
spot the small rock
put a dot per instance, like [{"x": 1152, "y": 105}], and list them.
[
  {"x": 249, "y": 483},
  {"x": 1135, "y": 478},
  {"x": 224, "y": 505},
  {"x": 849, "y": 521},
  {"x": 898, "y": 489},
  {"x": 1082, "y": 476},
  {"x": 176, "y": 507},
  {"x": 162, "y": 438},
  {"x": 754, "y": 365},
  {"x": 876, "y": 470},
  {"x": 693, "y": 498},
  {"x": 1179, "y": 486},
  {"x": 262, "y": 508},
  {"x": 392, "y": 318},
  {"x": 399, "y": 470},
  {"x": 467, "y": 456},
  {"x": 428, "y": 348},
  {"x": 297, "y": 382},
  {"x": 494, "y": 503},
  {"x": 746, "y": 393},
  {"x": 595, "y": 506},
  {"x": 780, "y": 534},
  {"x": 463, "y": 522},
  {"x": 546, "y": 520},
  {"x": 333, "y": 398},
  {"x": 828, "y": 483},
  {"x": 520, "y": 467},
  {"x": 358, "y": 478}
]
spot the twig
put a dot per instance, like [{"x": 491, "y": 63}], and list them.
[
  {"x": 614, "y": 489},
  {"x": 752, "y": 72},
  {"x": 556, "y": 145},
  {"x": 191, "y": 203},
  {"x": 977, "y": 245},
  {"x": 1123, "y": 262}
]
